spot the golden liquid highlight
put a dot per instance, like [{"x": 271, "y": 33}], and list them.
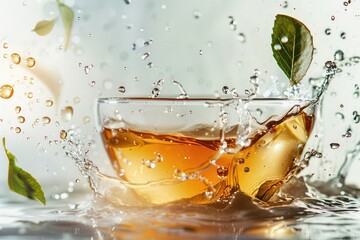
[{"x": 175, "y": 167}]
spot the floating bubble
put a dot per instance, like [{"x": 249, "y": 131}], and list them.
[
  {"x": 15, "y": 58},
  {"x": 6, "y": 91},
  {"x": 30, "y": 62}
]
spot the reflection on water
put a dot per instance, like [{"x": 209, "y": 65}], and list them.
[{"x": 310, "y": 217}]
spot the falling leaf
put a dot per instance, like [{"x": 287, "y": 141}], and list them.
[
  {"x": 67, "y": 17},
  {"x": 22, "y": 182},
  {"x": 44, "y": 27},
  {"x": 292, "y": 46}
]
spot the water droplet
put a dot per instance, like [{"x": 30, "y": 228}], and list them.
[
  {"x": 18, "y": 130},
  {"x": 92, "y": 83},
  {"x": 6, "y": 91},
  {"x": 5, "y": 55},
  {"x": 209, "y": 194},
  {"x": 233, "y": 24},
  {"x": 86, "y": 119},
  {"x": 15, "y": 58},
  {"x": 30, "y": 62},
  {"x": 225, "y": 89},
  {"x": 334, "y": 145},
  {"x": 241, "y": 37},
  {"x": 30, "y": 95},
  {"x": 285, "y": 4},
  {"x": 246, "y": 169},
  {"x": 17, "y": 109},
  {"x": 332, "y": 17},
  {"x": 49, "y": 103},
  {"x": 67, "y": 113},
  {"x": 155, "y": 92},
  {"x": 201, "y": 52},
  {"x": 196, "y": 14},
  {"x": 127, "y": 1},
  {"x": 21, "y": 119},
  {"x": 121, "y": 89},
  {"x": 356, "y": 117},
  {"x": 63, "y": 134},
  {"x": 46, "y": 120},
  {"x": 328, "y": 31},
  {"x": 277, "y": 47},
  {"x": 145, "y": 55},
  {"x": 341, "y": 105},
  {"x": 86, "y": 69},
  {"x": 241, "y": 161},
  {"x": 222, "y": 172},
  {"x": 284, "y": 39},
  {"x": 340, "y": 115},
  {"x": 339, "y": 55},
  {"x": 343, "y": 35},
  {"x": 76, "y": 100},
  {"x": 5, "y": 45},
  {"x": 347, "y": 134},
  {"x": 330, "y": 64}
]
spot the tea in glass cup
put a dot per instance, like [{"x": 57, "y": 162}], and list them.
[{"x": 198, "y": 151}]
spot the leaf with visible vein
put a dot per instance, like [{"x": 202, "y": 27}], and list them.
[
  {"x": 67, "y": 17},
  {"x": 292, "y": 46},
  {"x": 44, "y": 27},
  {"x": 22, "y": 182}
]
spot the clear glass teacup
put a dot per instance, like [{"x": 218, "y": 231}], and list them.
[{"x": 198, "y": 151}]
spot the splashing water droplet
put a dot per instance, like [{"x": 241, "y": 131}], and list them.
[
  {"x": 145, "y": 55},
  {"x": 30, "y": 62},
  {"x": 6, "y": 91},
  {"x": 197, "y": 14},
  {"x": 225, "y": 89},
  {"x": 21, "y": 119},
  {"x": 328, "y": 31},
  {"x": 339, "y": 55},
  {"x": 67, "y": 113},
  {"x": 121, "y": 89},
  {"x": 15, "y": 58},
  {"x": 63, "y": 134},
  {"x": 46, "y": 120},
  {"x": 49, "y": 103},
  {"x": 17, "y": 109},
  {"x": 343, "y": 35},
  {"x": 334, "y": 145}
]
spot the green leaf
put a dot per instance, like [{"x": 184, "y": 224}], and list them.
[
  {"x": 67, "y": 17},
  {"x": 292, "y": 46},
  {"x": 43, "y": 27},
  {"x": 22, "y": 182}
]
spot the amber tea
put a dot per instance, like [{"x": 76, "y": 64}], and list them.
[{"x": 169, "y": 158}]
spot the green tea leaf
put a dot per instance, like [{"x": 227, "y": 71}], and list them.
[
  {"x": 67, "y": 17},
  {"x": 292, "y": 46},
  {"x": 22, "y": 182},
  {"x": 43, "y": 27}
]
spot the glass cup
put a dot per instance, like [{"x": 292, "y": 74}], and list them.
[{"x": 198, "y": 151}]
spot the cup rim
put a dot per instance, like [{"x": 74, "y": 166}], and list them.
[{"x": 114, "y": 100}]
